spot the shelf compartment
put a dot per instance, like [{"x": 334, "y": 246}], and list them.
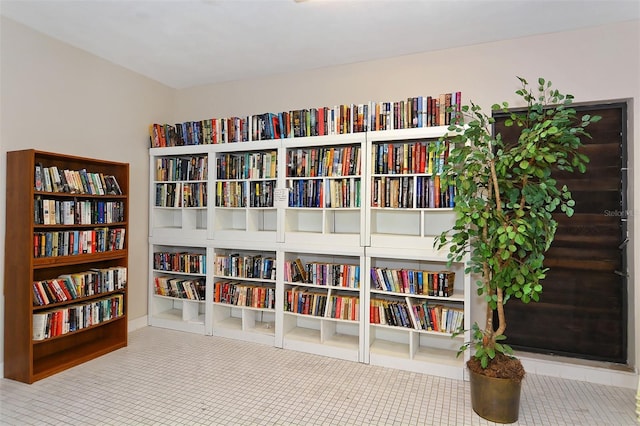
[
  {"x": 426, "y": 264},
  {"x": 178, "y": 222},
  {"x": 178, "y": 314},
  {"x": 322, "y": 336},
  {"x": 245, "y": 223},
  {"x": 57, "y": 354},
  {"x": 323, "y": 226},
  {"x": 411, "y": 350},
  {"x": 178, "y": 194},
  {"x": 403, "y": 227},
  {"x": 244, "y": 323}
]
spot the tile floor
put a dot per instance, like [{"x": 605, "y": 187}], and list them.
[{"x": 171, "y": 378}]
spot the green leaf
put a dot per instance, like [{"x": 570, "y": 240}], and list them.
[{"x": 491, "y": 352}]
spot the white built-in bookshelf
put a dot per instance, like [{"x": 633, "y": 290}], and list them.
[{"x": 297, "y": 235}]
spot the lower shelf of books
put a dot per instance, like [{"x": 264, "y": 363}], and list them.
[
  {"x": 244, "y": 323},
  {"x": 414, "y": 350},
  {"x": 322, "y": 336},
  {"x": 178, "y": 314}
]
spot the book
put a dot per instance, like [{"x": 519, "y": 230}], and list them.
[
  {"x": 47, "y": 186},
  {"x": 38, "y": 177},
  {"x": 300, "y": 271},
  {"x": 39, "y": 326}
]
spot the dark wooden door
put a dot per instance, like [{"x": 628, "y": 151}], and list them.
[{"x": 583, "y": 308}]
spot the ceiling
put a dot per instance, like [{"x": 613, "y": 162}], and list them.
[{"x": 195, "y": 42}]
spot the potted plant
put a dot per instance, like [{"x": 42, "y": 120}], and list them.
[{"x": 505, "y": 200}]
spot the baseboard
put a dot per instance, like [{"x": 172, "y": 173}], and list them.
[
  {"x": 582, "y": 370},
  {"x": 138, "y": 323}
]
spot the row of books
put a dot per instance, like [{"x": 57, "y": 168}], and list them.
[
  {"x": 78, "y": 285},
  {"x": 181, "y": 194},
  {"x": 77, "y": 212},
  {"x": 245, "y": 266},
  {"x": 409, "y": 158},
  {"x": 183, "y": 262},
  {"x": 344, "y": 307},
  {"x": 419, "y": 111},
  {"x": 320, "y": 305},
  {"x": 424, "y": 316},
  {"x": 327, "y": 161},
  {"x": 245, "y": 193},
  {"x": 438, "y": 318},
  {"x": 76, "y": 317},
  {"x": 393, "y": 313},
  {"x": 386, "y": 191},
  {"x": 68, "y": 243},
  {"x": 239, "y": 294},
  {"x": 181, "y": 168},
  {"x": 52, "y": 179},
  {"x": 329, "y": 193},
  {"x": 411, "y": 192},
  {"x": 322, "y": 273},
  {"x": 181, "y": 288},
  {"x": 194, "y": 194},
  {"x": 306, "y": 302},
  {"x": 254, "y": 165},
  {"x": 410, "y": 281}
]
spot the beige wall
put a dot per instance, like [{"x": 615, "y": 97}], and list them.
[
  {"x": 58, "y": 98},
  {"x": 596, "y": 64}
]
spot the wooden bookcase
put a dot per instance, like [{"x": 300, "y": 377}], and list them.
[{"x": 97, "y": 314}]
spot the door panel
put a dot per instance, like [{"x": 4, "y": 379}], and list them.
[{"x": 582, "y": 312}]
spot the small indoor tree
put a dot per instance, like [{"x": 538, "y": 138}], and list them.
[{"x": 505, "y": 201}]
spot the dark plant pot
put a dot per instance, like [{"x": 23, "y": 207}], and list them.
[{"x": 497, "y": 400}]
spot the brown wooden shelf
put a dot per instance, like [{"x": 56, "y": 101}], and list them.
[
  {"x": 46, "y": 262},
  {"x": 27, "y": 360},
  {"x": 79, "y": 300},
  {"x": 79, "y": 226},
  {"x": 79, "y": 195}
]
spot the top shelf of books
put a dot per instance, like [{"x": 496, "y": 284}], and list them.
[{"x": 414, "y": 112}]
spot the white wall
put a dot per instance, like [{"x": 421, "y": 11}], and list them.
[
  {"x": 58, "y": 98},
  {"x": 597, "y": 64}
]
